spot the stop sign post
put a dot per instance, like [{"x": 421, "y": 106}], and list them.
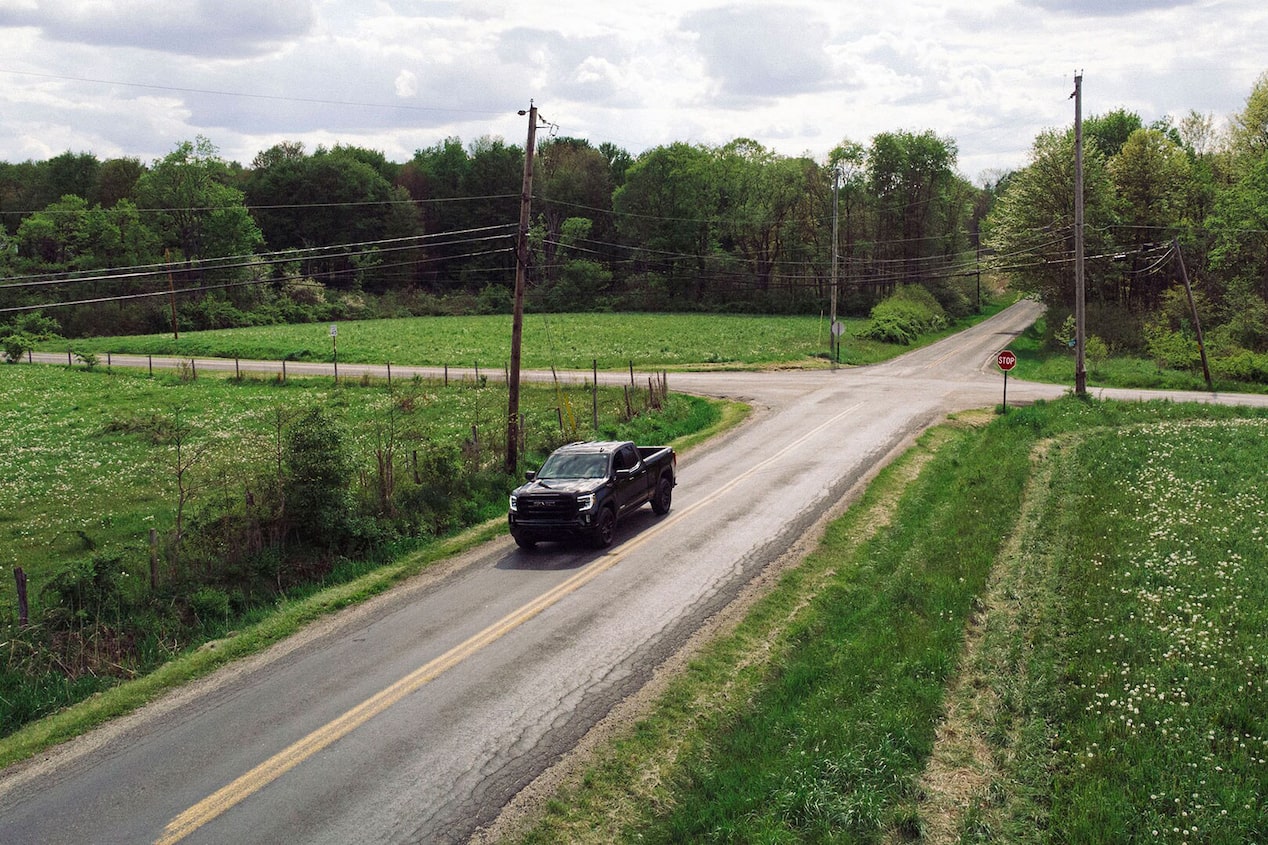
[{"x": 1006, "y": 360}]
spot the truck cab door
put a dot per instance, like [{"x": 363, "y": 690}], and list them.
[{"x": 631, "y": 478}]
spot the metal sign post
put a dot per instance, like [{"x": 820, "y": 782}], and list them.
[
  {"x": 1006, "y": 360},
  {"x": 334, "y": 349}
]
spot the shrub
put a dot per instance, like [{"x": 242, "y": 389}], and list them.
[
  {"x": 908, "y": 313},
  {"x": 16, "y": 345},
  {"x": 316, "y": 477},
  {"x": 85, "y": 590},
  {"x": 1171, "y": 349},
  {"x": 210, "y": 604}
]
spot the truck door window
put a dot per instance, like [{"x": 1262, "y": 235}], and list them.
[{"x": 626, "y": 458}]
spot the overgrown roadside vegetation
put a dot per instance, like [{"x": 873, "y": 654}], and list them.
[
  {"x": 1135, "y": 656},
  {"x": 149, "y": 515},
  {"x": 1044, "y": 354}
]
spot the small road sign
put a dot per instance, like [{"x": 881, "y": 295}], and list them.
[{"x": 1006, "y": 360}]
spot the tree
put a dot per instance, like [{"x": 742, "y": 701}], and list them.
[
  {"x": 1152, "y": 177},
  {"x": 316, "y": 475},
  {"x": 573, "y": 180},
  {"x": 116, "y": 180},
  {"x": 764, "y": 202},
  {"x": 1249, "y": 131},
  {"x": 348, "y": 218},
  {"x": 1031, "y": 226},
  {"x": 911, "y": 178},
  {"x": 1109, "y": 132},
  {"x": 70, "y": 173},
  {"x": 198, "y": 214},
  {"x": 667, "y": 209},
  {"x": 470, "y": 193},
  {"x": 1239, "y": 221},
  {"x": 853, "y": 204}
]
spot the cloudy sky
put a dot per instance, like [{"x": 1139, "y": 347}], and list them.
[{"x": 136, "y": 77}]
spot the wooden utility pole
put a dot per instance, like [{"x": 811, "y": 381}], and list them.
[
  {"x": 1197, "y": 321},
  {"x": 517, "y": 319},
  {"x": 171, "y": 286},
  {"x": 1080, "y": 310},
  {"x": 832, "y": 318}
]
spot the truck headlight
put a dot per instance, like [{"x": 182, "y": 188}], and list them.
[
  {"x": 585, "y": 501},
  {"x": 513, "y": 507}
]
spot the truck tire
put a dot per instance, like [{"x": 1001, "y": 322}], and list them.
[
  {"x": 524, "y": 541},
  {"x": 604, "y": 529},
  {"x": 664, "y": 496}
]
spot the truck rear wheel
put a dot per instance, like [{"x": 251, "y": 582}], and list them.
[
  {"x": 604, "y": 529},
  {"x": 664, "y": 496}
]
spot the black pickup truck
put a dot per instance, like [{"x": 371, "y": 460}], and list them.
[{"x": 584, "y": 488}]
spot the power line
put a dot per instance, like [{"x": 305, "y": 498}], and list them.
[{"x": 273, "y": 97}]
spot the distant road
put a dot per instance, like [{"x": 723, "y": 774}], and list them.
[{"x": 418, "y": 715}]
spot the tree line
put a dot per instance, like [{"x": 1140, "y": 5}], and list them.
[
  {"x": 1161, "y": 201},
  {"x": 193, "y": 241}
]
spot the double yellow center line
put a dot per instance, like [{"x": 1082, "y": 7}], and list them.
[{"x": 282, "y": 762}]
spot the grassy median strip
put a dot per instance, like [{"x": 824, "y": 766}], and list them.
[{"x": 815, "y": 718}]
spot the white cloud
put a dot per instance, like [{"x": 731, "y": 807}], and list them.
[
  {"x": 135, "y": 77},
  {"x": 406, "y": 84}
]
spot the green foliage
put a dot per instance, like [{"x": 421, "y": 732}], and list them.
[
  {"x": 25, "y": 331},
  {"x": 210, "y": 604},
  {"x": 85, "y": 591},
  {"x": 1031, "y": 222},
  {"x": 1171, "y": 348},
  {"x": 316, "y": 473},
  {"x": 906, "y": 315}
]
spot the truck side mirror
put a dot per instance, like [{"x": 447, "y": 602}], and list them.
[{"x": 530, "y": 475}]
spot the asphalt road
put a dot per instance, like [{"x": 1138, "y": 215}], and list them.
[{"x": 417, "y": 716}]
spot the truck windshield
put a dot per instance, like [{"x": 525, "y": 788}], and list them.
[{"x": 574, "y": 465}]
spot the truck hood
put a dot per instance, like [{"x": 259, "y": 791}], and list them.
[{"x": 560, "y": 485}]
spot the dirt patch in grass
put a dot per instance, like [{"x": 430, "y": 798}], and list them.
[{"x": 963, "y": 766}]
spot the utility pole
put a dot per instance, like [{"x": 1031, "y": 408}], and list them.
[
  {"x": 1193, "y": 308},
  {"x": 832, "y": 318},
  {"x": 517, "y": 319},
  {"x": 1080, "y": 310}
]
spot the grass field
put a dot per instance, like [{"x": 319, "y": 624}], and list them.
[
  {"x": 1118, "y": 694},
  {"x": 87, "y": 463},
  {"x": 564, "y": 341}
]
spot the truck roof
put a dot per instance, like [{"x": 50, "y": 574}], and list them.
[{"x": 593, "y": 446}]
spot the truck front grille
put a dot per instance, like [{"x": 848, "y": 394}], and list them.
[{"x": 547, "y": 507}]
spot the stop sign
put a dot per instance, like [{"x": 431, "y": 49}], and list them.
[{"x": 1006, "y": 360}]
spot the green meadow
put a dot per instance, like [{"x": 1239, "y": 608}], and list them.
[
  {"x": 1077, "y": 588},
  {"x": 563, "y": 341}
]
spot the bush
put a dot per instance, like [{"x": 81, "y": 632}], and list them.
[
  {"x": 210, "y": 605},
  {"x": 16, "y": 345},
  {"x": 1171, "y": 349},
  {"x": 317, "y": 473},
  {"x": 1241, "y": 365},
  {"x": 86, "y": 590},
  {"x": 904, "y": 316}
]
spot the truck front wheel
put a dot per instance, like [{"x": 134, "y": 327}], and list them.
[
  {"x": 604, "y": 529},
  {"x": 664, "y": 496},
  {"x": 525, "y": 541}
]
